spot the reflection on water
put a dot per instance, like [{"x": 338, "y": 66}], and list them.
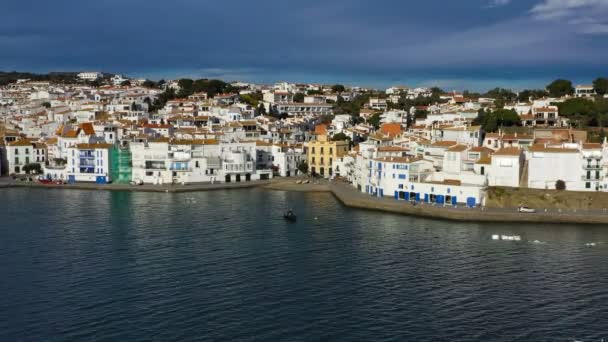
[{"x": 226, "y": 265}]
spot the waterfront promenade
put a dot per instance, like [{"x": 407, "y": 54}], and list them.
[
  {"x": 351, "y": 197},
  {"x": 141, "y": 188}
]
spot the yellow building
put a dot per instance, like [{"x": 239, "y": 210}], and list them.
[{"x": 321, "y": 154}]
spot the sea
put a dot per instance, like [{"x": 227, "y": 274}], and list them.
[{"x": 81, "y": 265}]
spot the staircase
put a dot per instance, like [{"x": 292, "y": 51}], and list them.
[{"x": 523, "y": 180}]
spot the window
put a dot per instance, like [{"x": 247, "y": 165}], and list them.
[
  {"x": 27, "y": 151},
  {"x": 322, "y": 150},
  {"x": 588, "y": 185},
  {"x": 403, "y": 176},
  {"x": 313, "y": 149},
  {"x": 197, "y": 165},
  {"x": 331, "y": 150},
  {"x": 16, "y": 151}
]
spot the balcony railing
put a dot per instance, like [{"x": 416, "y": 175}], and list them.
[
  {"x": 591, "y": 178},
  {"x": 587, "y": 166}
]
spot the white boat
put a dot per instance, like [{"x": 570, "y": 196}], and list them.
[{"x": 510, "y": 237}]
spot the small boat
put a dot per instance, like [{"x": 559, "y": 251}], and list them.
[{"x": 290, "y": 216}]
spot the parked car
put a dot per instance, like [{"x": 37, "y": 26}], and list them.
[
  {"x": 526, "y": 210},
  {"x": 45, "y": 181}
]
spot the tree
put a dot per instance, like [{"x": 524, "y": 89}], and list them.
[
  {"x": 560, "y": 185},
  {"x": 409, "y": 121},
  {"x": 507, "y": 117},
  {"x": 600, "y": 85},
  {"x": 303, "y": 166},
  {"x": 60, "y": 161},
  {"x": 32, "y": 168},
  {"x": 327, "y": 119},
  {"x": 46, "y": 104},
  {"x": 340, "y": 137},
  {"x": 261, "y": 110},
  {"x": 560, "y": 87},
  {"x": 126, "y": 83},
  {"x": 374, "y": 120},
  {"x": 338, "y": 88},
  {"x": 576, "y": 106},
  {"x": 149, "y": 84},
  {"x": 527, "y": 94},
  {"x": 421, "y": 114},
  {"x": 298, "y": 97}
]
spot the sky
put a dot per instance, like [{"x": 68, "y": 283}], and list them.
[{"x": 454, "y": 44}]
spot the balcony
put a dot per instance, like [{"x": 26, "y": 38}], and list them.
[
  {"x": 588, "y": 166},
  {"x": 591, "y": 178}
]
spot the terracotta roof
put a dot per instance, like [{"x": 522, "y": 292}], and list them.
[
  {"x": 481, "y": 149},
  {"x": 508, "y": 151},
  {"x": 398, "y": 159},
  {"x": 542, "y": 148},
  {"x": 592, "y": 146},
  {"x": 392, "y": 149},
  {"x": 445, "y": 143},
  {"x": 391, "y": 129},
  {"x": 484, "y": 160},
  {"x": 321, "y": 129},
  {"x": 20, "y": 143},
  {"x": 94, "y": 146},
  {"x": 457, "y": 148},
  {"x": 70, "y": 134},
  {"x": 88, "y": 129}
]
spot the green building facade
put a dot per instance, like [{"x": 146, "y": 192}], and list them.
[{"x": 121, "y": 169}]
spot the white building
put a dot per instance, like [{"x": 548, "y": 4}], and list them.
[
  {"x": 378, "y": 104},
  {"x": 23, "y": 152},
  {"x": 89, "y": 163},
  {"x": 506, "y": 167},
  {"x": 579, "y": 166},
  {"x": 584, "y": 91},
  {"x": 89, "y": 75}
]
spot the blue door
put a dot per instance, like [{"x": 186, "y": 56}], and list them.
[
  {"x": 367, "y": 189},
  {"x": 397, "y": 195},
  {"x": 471, "y": 202},
  {"x": 71, "y": 179},
  {"x": 100, "y": 180},
  {"x": 407, "y": 196},
  {"x": 417, "y": 197},
  {"x": 426, "y": 198},
  {"x": 454, "y": 201},
  {"x": 381, "y": 192},
  {"x": 440, "y": 199}
]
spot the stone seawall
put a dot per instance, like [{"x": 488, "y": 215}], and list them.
[
  {"x": 350, "y": 197},
  {"x": 175, "y": 188}
]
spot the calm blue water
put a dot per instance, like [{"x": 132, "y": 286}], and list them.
[{"x": 225, "y": 266}]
